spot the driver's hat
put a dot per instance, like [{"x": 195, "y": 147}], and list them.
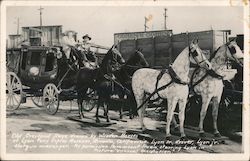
[{"x": 87, "y": 36}]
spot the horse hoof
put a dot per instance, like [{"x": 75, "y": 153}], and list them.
[
  {"x": 168, "y": 138},
  {"x": 183, "y": 138},
  {"x": 177, "y": 128},
  {"x": 97, "y": 121},
  {"x": 108, "y": 120},
  {"x": 202, "y": 135},
  {"x": 217, "y": 135}
]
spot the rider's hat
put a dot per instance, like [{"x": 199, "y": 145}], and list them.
[
  {"x": 68, "y": 31},
  {"x": 86, "y": 36}
]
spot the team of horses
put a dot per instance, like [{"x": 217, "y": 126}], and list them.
[{"x": 133, "y": 78}]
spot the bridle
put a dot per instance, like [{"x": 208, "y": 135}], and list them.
[
  {"x": 195, "y": 54},
  {"x": 232, "y": 51},
  {"x": 211, "y": 72}
]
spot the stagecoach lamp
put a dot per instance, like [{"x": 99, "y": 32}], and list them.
[{"x": 34, "y": 71}]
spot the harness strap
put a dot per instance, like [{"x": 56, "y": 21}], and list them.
[
  {"x": 211, "y": 72},
  {"x": 156, "y": 90},
  {"x": 175, "y": 77},
  {"x": 163, "y": 71}
]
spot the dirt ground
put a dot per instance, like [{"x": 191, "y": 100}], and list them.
[{"x": 31, "y": 129}]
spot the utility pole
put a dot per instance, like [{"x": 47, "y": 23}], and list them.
[
  {"x": 165, "y": 18},
  {"x": 145, "y": 24},
  {"x": 17, "y": 22},
  {"x": 17, "y": 32},
  {"x": 41, "y": 22}
]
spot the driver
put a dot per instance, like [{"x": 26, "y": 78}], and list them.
[
  {"x": 89, "y": 57},
  {"x": 70, "y": 47},
  {"x": 86, "y": 43}
]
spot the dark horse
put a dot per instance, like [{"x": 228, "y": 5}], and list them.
[
  {"x": 94, "y": 78},
  {"x": 121, "y": 85}
]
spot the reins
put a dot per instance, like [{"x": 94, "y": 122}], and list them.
[
  {"x": 174, "y": 79},
  {"x": 211, "y": 72}
]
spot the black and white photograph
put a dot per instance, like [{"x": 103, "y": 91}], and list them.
[{"x": 117, "y": 80}]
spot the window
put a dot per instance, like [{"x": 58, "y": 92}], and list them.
[
  {"x": 35, "y": 58},
  {"x": 24, "y": 59},
  {"x": 57, "y": 32},
  {"x": 50, "y": 62}
]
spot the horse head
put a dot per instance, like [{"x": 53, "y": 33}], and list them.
[
  {"x": 116, "y": 56},
  {"x": 139, "y": 59},
  {"x": 197, "y": 56},
  {"x": 112, "y": 60},
  {"x": 234, "y": 52}
]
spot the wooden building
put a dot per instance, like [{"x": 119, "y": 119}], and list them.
[
  {"x": 42, "y": 35},
  {"x": 15, "y": 41},
  {"x": 160, "y": 48}
]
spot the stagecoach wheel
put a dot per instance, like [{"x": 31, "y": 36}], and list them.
[
  {"x": 51, "y": 98},
  {"x": 88, "y": 105},
  {"x": 13, "y": 91},
  {"x": 38, "y": 101}
]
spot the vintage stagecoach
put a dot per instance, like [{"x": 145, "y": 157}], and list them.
[
  {"x": 35, "y": 66},
  {"x": 33, "y": 71}
]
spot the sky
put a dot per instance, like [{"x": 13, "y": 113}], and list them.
[{"x": 101, "y": 22}]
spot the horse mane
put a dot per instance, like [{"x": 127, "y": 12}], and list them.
[
  {"x": 132, "y": 57},
  {"x": 215, "y": 52},
  {"x": 106, "y": 57}
]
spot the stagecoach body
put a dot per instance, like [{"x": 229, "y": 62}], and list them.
[{"x": 38, "y": 66}]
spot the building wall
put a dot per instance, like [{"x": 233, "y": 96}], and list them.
[
  {"x": 50, "y": 35},
  {"x": 161, "y": 49},
  {"x": 14, "y": 41}
]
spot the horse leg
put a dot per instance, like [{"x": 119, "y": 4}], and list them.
[
  {"x": 132, "y": 107},
  {"x": 97, "y": 111},
  {"x": 174, "y": 123},
  {"x": 204, "y": 107},
  {"x": 121, "y": 111},
  {"x": 171, "y": 107},
  {"x": 79, "y": 102},
  {"x": 139, "y": 101},
  {"x": 215, "y": 109},
  {"x": 106, "y": 110},
  {"x": 182, "y": 106}
]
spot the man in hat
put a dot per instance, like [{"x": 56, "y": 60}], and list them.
[
  {"x": 86, "y": 51},
  {"x": 68, "y": 42},
  {"x": 86, "y": 42}
]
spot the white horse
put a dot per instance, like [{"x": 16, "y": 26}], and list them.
[
  {"x": 146, "y": 81},
  {"x": 210, "y": 85}
]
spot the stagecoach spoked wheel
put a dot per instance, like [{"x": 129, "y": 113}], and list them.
[
  {"x": 90, "y": 102},
  {"x": 51, "y": 98},
  {"x": 13, "y": 91},
  {"x": 38, "y": 101},
  {"x": 88, "y": 105}
]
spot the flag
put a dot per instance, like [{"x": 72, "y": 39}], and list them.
[{"x": 149, "y": 18}]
